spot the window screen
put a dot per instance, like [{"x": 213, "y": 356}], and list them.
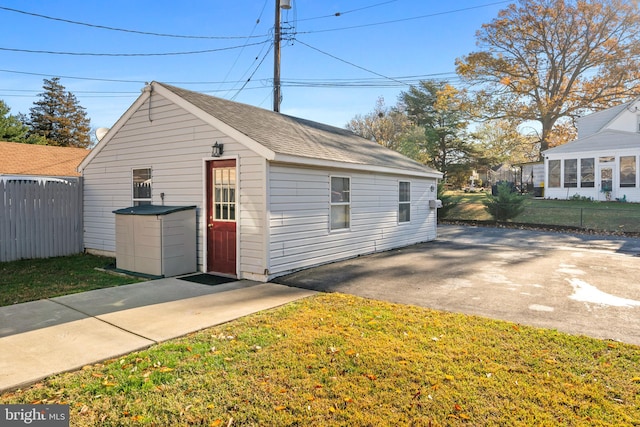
[
  {"x": 404, "y": 198},
  {"x": 340, "y": 202},
  {"x": 141, "y": 186}
]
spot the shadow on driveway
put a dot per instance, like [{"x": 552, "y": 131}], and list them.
[{"x": 545, "y": 279}]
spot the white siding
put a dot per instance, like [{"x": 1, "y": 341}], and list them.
[
  {"x": 299, "y": 217},
  {"x": 172, "y": 142},
  {"x": 626, "y": 122},
  {"x": 632, "y": 194}
]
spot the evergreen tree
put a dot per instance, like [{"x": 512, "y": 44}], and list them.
[
  {"x": 506, "y": 205},
  {"x": 13, "y": 129},
  {"x": 442, "y": 112},
  {"x": 58, "y": 117}
]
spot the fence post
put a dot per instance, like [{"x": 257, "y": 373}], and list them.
[{"x": 581, "y": 212}]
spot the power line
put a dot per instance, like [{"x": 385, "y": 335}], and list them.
[
  {"x": 333, "y": 15},
  {"x": 124, "y": 30},
  {"x": 75, "y": 91},
  {"x": 372, "y": 82},
  {"x": 5, "y": 95},
  {"x": 72, "y": 77},
  {"x": 252, "y": 74},
  {"x": 242, "y": 50},
  {"x": 194, "y": 52},
  {"x": 412, "y": 18},
  {"x": 98, "y": 79},
  {"x": 351, "y": 63}
]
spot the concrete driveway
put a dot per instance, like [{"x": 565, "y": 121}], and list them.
[{"x": 586, "y": 285}]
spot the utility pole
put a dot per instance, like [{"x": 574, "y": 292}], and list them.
[{"x": 286, "y": 4}]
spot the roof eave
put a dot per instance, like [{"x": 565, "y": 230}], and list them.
[{"x": 308, "y": 161}]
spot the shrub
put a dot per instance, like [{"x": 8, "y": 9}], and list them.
[
  {"x": 505, "y": 205},
  {"x": 580, "y": 198}
]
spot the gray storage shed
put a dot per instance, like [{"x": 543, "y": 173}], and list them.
[{"x": 156, "y": 240}]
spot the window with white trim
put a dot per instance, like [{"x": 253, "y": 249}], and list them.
[
  {"x": 570, "y": 173},
  {"x": 404, "y": 201},
  {"x": 224, "y": 183},
  {"x": 587, "y": 172},
  {"x": 141, "y": 179},
  {"x": 340, "y": 202},
  {"x": 554, "y": 173},
  {"x": 627, "y": 171}
]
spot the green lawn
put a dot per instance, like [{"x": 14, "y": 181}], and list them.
[
  {"x": 604, "y": 216},
  {"x": 29, "y": 280},
  {"x": 341, "y": 360}
]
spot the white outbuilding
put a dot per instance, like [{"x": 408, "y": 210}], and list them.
[
  {"x": 272, "y": 193},
  {"x": 602, "y": 163}
]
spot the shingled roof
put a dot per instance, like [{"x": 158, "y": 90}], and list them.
[
  {"x": 40, "y": 160},
  {"x": 296, "y": 137},
  {"x": 608, "y": 139}
]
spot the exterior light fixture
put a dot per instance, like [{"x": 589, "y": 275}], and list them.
[{"x": 216, "y": 149}]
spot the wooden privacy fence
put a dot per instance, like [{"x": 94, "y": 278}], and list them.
[{"x": 40, "y": 218}]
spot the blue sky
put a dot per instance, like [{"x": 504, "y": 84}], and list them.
[{"x": 346, "y": 53}]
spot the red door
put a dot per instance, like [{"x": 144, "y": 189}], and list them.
[{"x": 221, "y": 216}]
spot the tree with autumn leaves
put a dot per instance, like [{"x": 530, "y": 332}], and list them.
[
  {"x": 550, "y": 61},
  {"x": 539, "y": 66}
]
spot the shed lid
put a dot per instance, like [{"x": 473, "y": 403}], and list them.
[{"x": 151, "y": 210}]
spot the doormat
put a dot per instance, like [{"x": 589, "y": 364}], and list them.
[{"x": 208, "y": 279}]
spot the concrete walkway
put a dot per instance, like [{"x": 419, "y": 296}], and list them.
[{"x": 42, "y": 338}]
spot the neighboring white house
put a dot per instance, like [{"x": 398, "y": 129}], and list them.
[
  {"x": 284, "y": 194},
  {"x": 602, "y": 163}
]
